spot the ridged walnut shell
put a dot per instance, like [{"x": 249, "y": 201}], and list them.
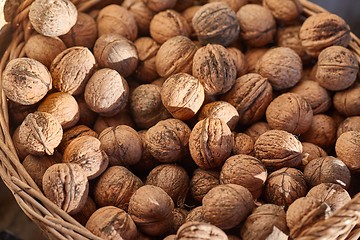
[
  {"x": 73, "y": 133},
  {"x": 200, "y": 230},
  {"x": 347, "y": 102},
  {"x": 347, "y": 148},
  {"x": 202, "y": 181}
]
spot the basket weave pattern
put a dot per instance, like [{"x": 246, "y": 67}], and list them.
[{"x": 55, "y": 223}]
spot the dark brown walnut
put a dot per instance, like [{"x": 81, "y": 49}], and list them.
[
  {"x": 73, "y": 133},
  {"x": 232, "y": 237},
  {"x": 311, "y": 152},
  {"x": 142, "y": 14},
  {"x": 86, "y": 152},
  {"x": 146, "y": 106},
  {"x": 210, "y": 143},
  {"x": 304, "y": 213},
  {"x": 246, "y": 171},
  {"x": 322, "y": 131},
  {"x": 182, "y": 95},
  {"x": 112, "y": 223},
  {"x": 323, "y": 30},
  {"x": 278, "y": 148},
  {"x": 71, "y": 70},
  {"x": 43, "y": 49},
  {"x": 263, "y": 221},
  {"x": 233, "y": 201},
  {"x": 282, "y": 66},
  {"x": 168, "y": 140},
  {"x": 284, "y": 11},
  {"x": 122, "y": 144},
  {"x": 86, "y": 211},
  {"x": 216, "y": 23},
  {"x": 250, "y": 95},
  {"x": 167, "y": 24},
  {"x": 106, "y": 92},
  {"x": 347, "y": 102},
  {"x": 115, "y": 187},
  {"x": 327, "y": 170},
  {"x": 52, "y": 17},
  {"x": 284, "y": 186},
  {"x": 215, "y": 68},
  {"x": 337, "y": 68},
  {"x": 290, "y": 112},
  {"x": 160, "y": 5},
  {"x": 151, "y": 209},
  {"x": 349, "y": 124},
  {"x": 202, "y": 181},
  {"x": 235, "y": 5},
  {"x": 66, "y": 185},
  {"x": 257, "y": 25},
  {"x": 257, "y": 129},
  {"x": 199, "y": 230},
  {"x": 332, "y": 194},
  {"x": 122, "y": 118},
  {"x": 173, "y": 179},
  {"x": 179, "y": 218},
  {"x": 222, "y": 110},
  {"x": 26, "y": 81},
  {"x": 347, "y": 148},
  {"x": 83, "y": 33},
  {"x": 252, "y": 56},
  {"x": 87, "y": 116},
  {"x": 37, "y": 165},
  {"x": 239, "y": 60},
  {"x": 243, "y": 144},
  {"x": 188, "y": 14},
  {"x": 18, "y": 112},
  {"x": 175, "y": 56},
  {"x": 116, "y": 52},
  {"x": 63, "y": 107},
  {"x": 195, "y": 215},
  {"x": 117, "y": 20},
  {"x": 318, "y": 97},
  {"x": 183, "y": 5},
  {"x": 40, "y": 133},
  {"x": 147, "y": 49},
  {"x": 10, "y": 8}
]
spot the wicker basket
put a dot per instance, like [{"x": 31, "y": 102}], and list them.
[{"x": 55, "y": 223}]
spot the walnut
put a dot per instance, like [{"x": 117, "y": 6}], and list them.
[
  {"x": 86, "y": 152},
  {"x": 250, "y": 95},
  {"x": 347, "y": 102},
  {"x": 235, "y": 5},
  {"x": 183, "y": 5},
  {"x": 233, "y": 201},
  {"x": 210, "y": 143},
  {"x": 43, "y": 49},
  {"x": 323, "y": 30},
  {"x": 257, "y": 25},
  {"x": 168, "y": 140},
  {"x": 318, "y": 97},
  {"x": 62, "y": 106},
  {"x": 311, "y": 152},
  {"x": 71, "y": 70},
  {"x": 262, "y": 222},
  {"x": 122, "y": 144},
  {"x": 116, "y": 52},
  {"x": 19, "y": 148},
  {"x": 182, "y": 95},
  {"x": 168, "y": 24},
  {"x": 200, "y": 230},
  {"x": 284, "y": 186},
  {"x": 278, "y": 148},
  {"x": 216, "y": 23},
  {"x": 83, "y": 33},
  {"x": 195, "y": 215},
  {"x": 87, "y": 116},
  {"x": 239, "y": 60},
  {"x": 246, "y": 171},
  {"x": 151, "y": 209},
  {"x": 175, "y": 56},
  {"x": 188, "y": 14},
  {"x": 122, "y": 118},
  {"x": 26, "y": 81},
  {"x": 179, "y": 218},
  {"x": 257, "y": 129},
  {"x": 160, "y": 5},
  {"x": 285, "y": 11},
  {"x": 142, "y": 14},
  {"x": 349, "y": 124},
  {"x": 347, "y": 149},
  {"x": 305, "y": 212},
  {"x": 115, "y": 19},
  {"x": 147, "y": 49},
  {"x": 66, "y": 185},
  {"x": 202, "y": 181},
  {"x": 112, "y": 223},
  {"x": 243, "y": 144},
  {"x": 290, "y": 112},
  {"x": 282, "y": 66},
  {"x": 52, "y": 17},
  {"x": 252, "y": 56},
  {"x": 40, "y": 133},
  {"x": 115, "y": 187},
  {"x": 73, "y": 133},
  {"x": 86, "y": 211},
  {"x": 215, "y": 68},
  {"x": 327, "y": 170}
]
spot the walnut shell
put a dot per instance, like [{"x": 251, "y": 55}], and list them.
[
  {"x": 142, "y": 14},
  {"x": 239, "y": 60},
  {"x": 160, "y": 5},
  {"x": 285, "y": 11},
  {"x": 73, "y": 133},
  {"x": 257, "y": 129},
  {"x": 197, "y": 230},
  {"x": 311, "y": 152},
  {"x": 66, "y": 185},
  {"x": 87, "y": 116},
  {"x": 347, "y": 102},
  {"x": 86, "y": 211},
  {"x": 52, "y": 17},
  {"x": 347, "y": 149},
  {"x": 196, "y": 215},
  {"x": 349, "y": 124},
  {"x": 235, "y": 5},
  {"x": 202, "y": 181},
  {"x": 26, "y": 81},
  {"x": 252, "y": 56}
]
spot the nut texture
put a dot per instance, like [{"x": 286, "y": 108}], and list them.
[
  {"x": 347, "y": 149},
  {"x": 285, "y": 11},
  {"x": 311, "y": 152},
  {"x": 243, "y": 144},
  {"x": 197, "y": 230},
  {"x": 202, "y": 181},
  {"x": 349, "y": 124},
  {"x": 347, "y": 102}
]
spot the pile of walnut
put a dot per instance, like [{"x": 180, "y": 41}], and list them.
[{"x": 229, "y": 119}]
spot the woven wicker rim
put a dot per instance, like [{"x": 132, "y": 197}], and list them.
[{"x": 57, "y": 224}]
